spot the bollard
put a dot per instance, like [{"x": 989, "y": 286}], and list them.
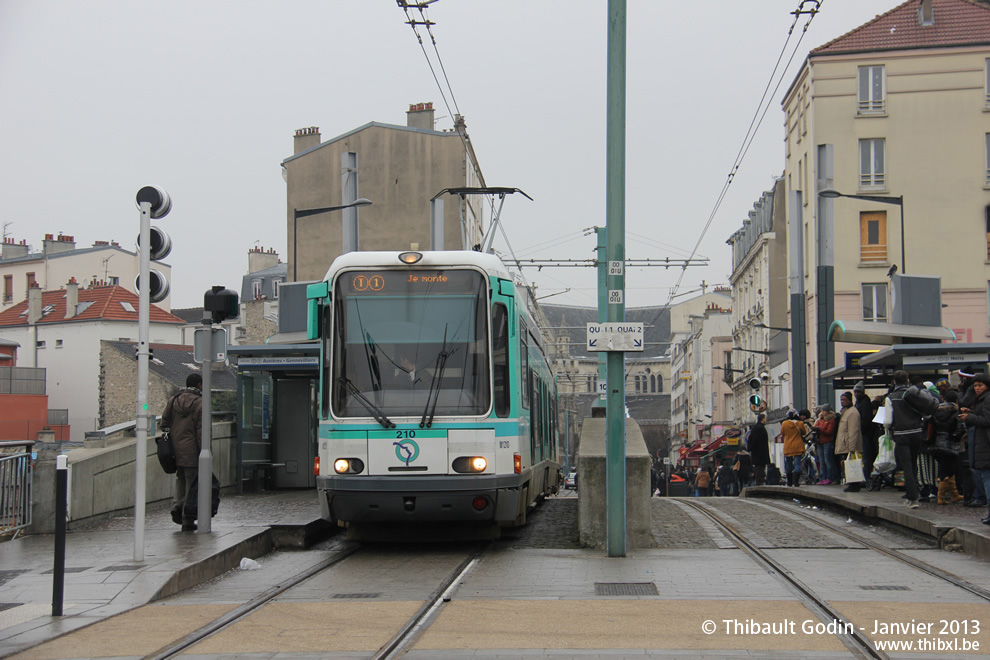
[{"x": 61, "y": 513}]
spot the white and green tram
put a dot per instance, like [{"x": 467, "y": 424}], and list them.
[{"x": 437, "y": 400}]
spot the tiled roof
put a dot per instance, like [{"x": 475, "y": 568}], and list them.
[
  {"x": 957, "y": 23},
  {"x": 174, "y": 362},
  {"x": 103, "y": 303}
]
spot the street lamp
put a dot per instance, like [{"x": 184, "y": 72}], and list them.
[
  {"x": 832, "y": 193},
  {"x": 305, "y": 213}
]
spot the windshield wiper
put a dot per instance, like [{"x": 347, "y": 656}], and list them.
[
  {"x": 379, "y": 416},
  {"x": 434, "y": 396}
]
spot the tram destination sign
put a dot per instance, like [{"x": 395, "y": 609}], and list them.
[{"x": 614, "y": 337}]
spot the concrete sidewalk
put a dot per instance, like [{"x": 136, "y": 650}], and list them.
[{"x": 102, "y": 579}]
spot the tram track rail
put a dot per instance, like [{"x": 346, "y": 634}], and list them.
[
  {"x": 253, "y": 605},
  {"x": 923, "y": 566},
  {"x": 857, "y": 643},
  {"x": 396, "y": 647}
]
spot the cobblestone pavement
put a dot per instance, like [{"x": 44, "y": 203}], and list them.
[
  {"x": 777, "y": 529},
  {"x": 552, "y": 525},
  {"x": 674, "y": 528}
]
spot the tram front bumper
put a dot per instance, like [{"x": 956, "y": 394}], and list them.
[{"x": 442, "y": 499}]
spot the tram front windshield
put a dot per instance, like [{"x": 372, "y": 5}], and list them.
[{"x": 410, "y": 343}]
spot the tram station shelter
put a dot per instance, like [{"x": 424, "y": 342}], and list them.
[
  {"x": 276, "y": 415},
  {"x": 913, "y": 348}
]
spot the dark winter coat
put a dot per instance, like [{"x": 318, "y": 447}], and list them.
[
  {"x": 910, "y": 404},
  {"x": 949, "y": 431},
  {"x": 979, "y": 418},
  {"x": 759, "y": 444},
  {"x": 866, "y": 426},
  {"x": 183, "y": 417}
]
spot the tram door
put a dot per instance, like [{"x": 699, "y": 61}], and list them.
[{"x": 295, "y": 432}]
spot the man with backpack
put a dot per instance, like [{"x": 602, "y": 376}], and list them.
[{"x": 909, "y": 404}]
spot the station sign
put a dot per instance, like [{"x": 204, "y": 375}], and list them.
[
  {"x": 944, "y": 359},
  {"x": 614, "y": 337}
]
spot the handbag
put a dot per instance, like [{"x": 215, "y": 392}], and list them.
[
  {"x": 166, "y": 452},
  {"x": 854, "y": 467}
]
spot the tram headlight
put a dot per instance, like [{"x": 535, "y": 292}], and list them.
[
  {"x": 470, "y": 464},
  {"x": 410, "y": 258},
  {"x": 348, "y": 466}
]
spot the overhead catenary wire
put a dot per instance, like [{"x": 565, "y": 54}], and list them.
[{"x": 756, "y": 122}]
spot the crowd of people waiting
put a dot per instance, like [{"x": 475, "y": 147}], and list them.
[{"x": 936, "y": 434}]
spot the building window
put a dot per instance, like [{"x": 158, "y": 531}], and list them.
[
  {"x": 872, "y": 91},
  {"x": 275, "y": 286},
  {"x": 114, "y": 281},
  {"x": 986, "y": 79},
  {"x": 8, "y": 288},
  {"x": 875, "y": 302},
  {"x": 986, "y": 176},
  {"x": 872, "y": 171},
  {"x": 986, "y": 214},
  {"x": 58, "y": 343},
  {"x": 873, "y": 236},
  {"x": 31, "y": 282},
  {"x": 256, "y": 289},
  {"x": 659, "y": 384},
  {"x": 41, "y": 343}
]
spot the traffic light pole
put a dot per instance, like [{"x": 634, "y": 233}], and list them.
[
  {"x": 204, "y": 502},
  {"x": 141, "y": 418}
]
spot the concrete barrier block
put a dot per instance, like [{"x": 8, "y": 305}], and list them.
[{"x": 591, "y": 485}]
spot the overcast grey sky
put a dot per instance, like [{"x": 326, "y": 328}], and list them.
[{"x": 202, "y": 98}]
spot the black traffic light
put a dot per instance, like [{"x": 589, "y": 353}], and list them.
[
  {"x": 755, "y": 383},
  {"x": 222, "y": 303},
  {"x": 160, "y": 245}
]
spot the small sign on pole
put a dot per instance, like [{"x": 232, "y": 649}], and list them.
[
  {"x": 614, "y": 336},
  {"x": 212, "y": 342}
]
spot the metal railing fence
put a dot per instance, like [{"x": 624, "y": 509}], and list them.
[{"x": 15, "y": 488}]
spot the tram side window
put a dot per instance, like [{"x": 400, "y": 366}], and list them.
[
  {"x": 500, "y": 359},
  {"x": 325, "y": 386},
  {"x": 524, "y": 374}
]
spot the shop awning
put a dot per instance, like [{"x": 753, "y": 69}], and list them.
[{"x": 869, "y": 332}]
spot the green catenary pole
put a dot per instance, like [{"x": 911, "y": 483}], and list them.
[{"x": 615, "y": 203}]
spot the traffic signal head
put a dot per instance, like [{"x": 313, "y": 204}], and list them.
[
  {"x": 159, "y": 200},
  {"x": 755, "y": 383},
  {"x": 757, "y": 403},
  {"x": 159, "y": 244},
  {"x": 222, "y": 303}
]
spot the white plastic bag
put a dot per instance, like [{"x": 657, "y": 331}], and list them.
[{"x": 248, "y": 564}]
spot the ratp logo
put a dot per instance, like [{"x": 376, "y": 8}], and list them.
[{"x": 406, "y": 451}]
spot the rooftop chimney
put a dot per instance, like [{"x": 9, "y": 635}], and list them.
[
  {"x": 71, "y": 298},
  {"x": 53, "y": 245},
  {"x": 259, "y": 259},
  {"x": 306, "y": 138},
  {"x": 12, "y": 250},
  {"x": 926, "y": 13},
  {"x": 420, "y": 115},
  {"x": 34, "y": 305}
]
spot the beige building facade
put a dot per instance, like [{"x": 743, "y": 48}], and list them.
[
  {"x": 400, "y": 169},
  {"x": 898, "y": 108}
]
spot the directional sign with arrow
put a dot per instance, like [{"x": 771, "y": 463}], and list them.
[{"x": 615, "y": 337}]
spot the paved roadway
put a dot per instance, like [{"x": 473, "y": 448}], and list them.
[{"x": 535, "y": 593}]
